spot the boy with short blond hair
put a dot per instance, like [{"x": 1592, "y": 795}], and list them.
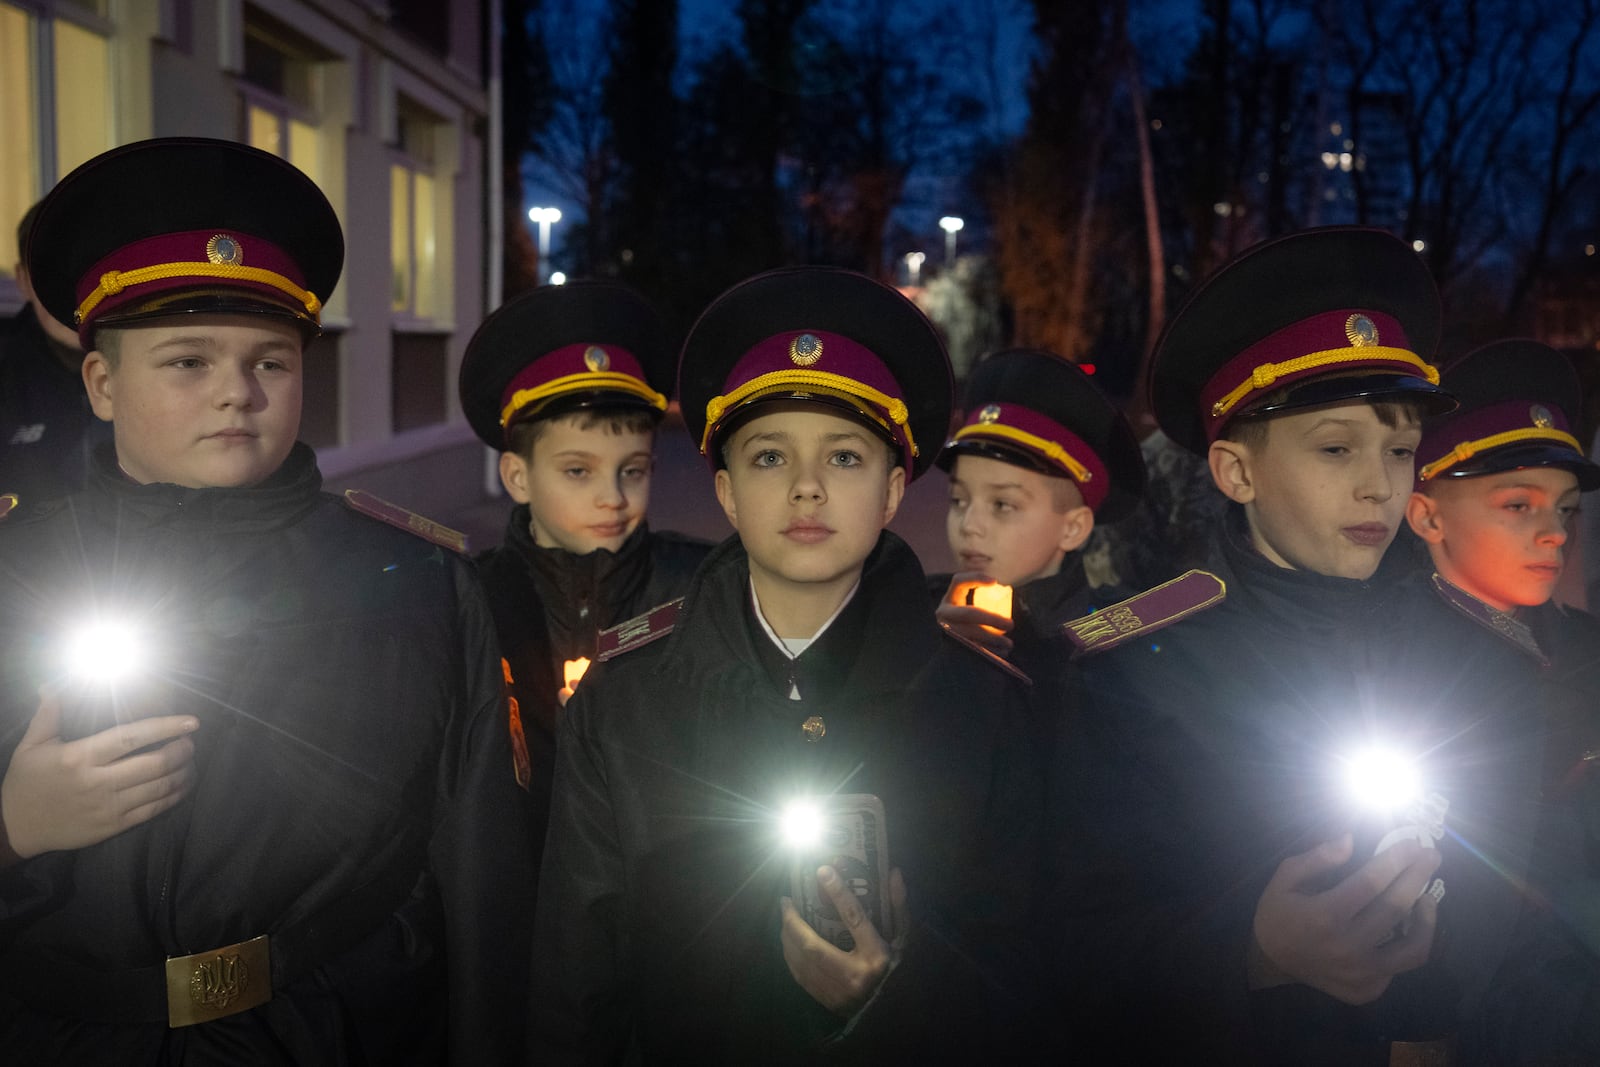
[
  {"x": 1040, "y": 458},
  {"x": 804, "y": 661},
  {"x": 1498, "y": 480},
  {"x": 1219, "y": 871},
  {"x": 331, "y": 869}
]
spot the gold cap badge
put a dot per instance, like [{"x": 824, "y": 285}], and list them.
[
  {"x": 805, "y": 350},
  {"x": 814, "y": 729},
  {"x": 596, "y": 359},
  {"x": 989, "y": 415},
  {"x": 222, "y": 248},
  {"x": 1361, "y": 330},
  {"x": 1541, "y": 416}
]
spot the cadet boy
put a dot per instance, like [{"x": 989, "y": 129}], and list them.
[
  {"x": 1207, "y": 864},
  {"x": 568, "y": 382},
  {"x": 351, "y": 836},
  {"x": 1498, "y": 484},
  {"x": 805, "y": 661},
  {"x": 1041, "y": 457},
  {"x": 1498, "y": 479}
]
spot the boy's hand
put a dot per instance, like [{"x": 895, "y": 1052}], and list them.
[
  {"x": 70, "y": 794},
  {"x": 840, "y": 981},
  {"x": 1343, "y": 940},
  {"x": 983, "y": 627}
]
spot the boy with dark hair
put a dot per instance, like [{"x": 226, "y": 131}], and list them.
[
  {"x": 1224, "y": 861},
  {"x": 803, "y": 663},
  {"x": 569, "y": 382},
  {"x": 338, "y": 881},
  {"x": 1041, "y": 457}
]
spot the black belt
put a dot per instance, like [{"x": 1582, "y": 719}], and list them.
[{"x": 48, "y": 983}]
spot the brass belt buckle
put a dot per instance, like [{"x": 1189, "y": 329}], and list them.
[{"x": 218, "y": 982}]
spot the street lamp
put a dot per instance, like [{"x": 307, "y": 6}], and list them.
[
  {"x": 950, "y": 224},
  {"x": 544, "y": 216},
  {"x": 914, "y": 266}
]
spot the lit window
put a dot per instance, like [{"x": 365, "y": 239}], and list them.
[
  {"x": 281, "y": 91},
  {"x": 49, "y": 133},
  {"x": 400, "y": 236},
  {"x": 414, "y": 214},
  {"x": 18, "y": 175},
  {"x": 83, "y": 95}
]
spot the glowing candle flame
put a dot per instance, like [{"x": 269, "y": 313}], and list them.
[
  {"x": 572, "y": 671},
  {"x": 994, "y": 598}
]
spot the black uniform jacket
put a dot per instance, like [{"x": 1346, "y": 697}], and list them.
[
  {"x": 1545, "y": 1005},
  {"x": 1198, "y": 757},
  {"x": 1038, "y": 648},
  {"x": 354, "y": 796},
  {"x": 550, "y": 605},
  {"x": 47, "y": 430},
  {"x": 658, "y": 925}
]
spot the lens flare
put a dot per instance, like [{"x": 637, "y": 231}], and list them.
[
  {"x": 801, "y": 824},
  {"x": 1382, "y": 780},
  {"x": 103, "y": 652}
]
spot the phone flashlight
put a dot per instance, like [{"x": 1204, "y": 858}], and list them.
[
  {"x": 1381, "y": 780},
  {"x": 98, "y": 660},
  {"x": 800, "y": 824}
]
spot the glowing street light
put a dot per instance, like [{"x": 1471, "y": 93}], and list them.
[
  {"x": 951, "y": 225},
  {"x": 914, "y": 262},
  {"x": 558, "y": 278},
  {"x": 544, "y": 216}
]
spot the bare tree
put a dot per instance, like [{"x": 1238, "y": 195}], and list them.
[
  {"x": 573, "y": 155},
  {"x": 1571, "y": 123}
]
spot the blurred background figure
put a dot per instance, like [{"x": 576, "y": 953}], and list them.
[{"x": 46, "y": 428}]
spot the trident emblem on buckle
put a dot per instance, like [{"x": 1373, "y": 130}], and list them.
[{"x": 219, "y": 981}]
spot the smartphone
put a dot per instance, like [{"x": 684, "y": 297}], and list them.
[{"x": 854, "y": 842}]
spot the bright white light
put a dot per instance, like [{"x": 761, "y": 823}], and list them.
[
  {"x": 544, "y": 214},
  {"x": 801, "y": 824},
  {"x": 914, "y": 260},
  {"x": 103, "y": 652},
  {"x": 1419, "y": 245},
  {"x": 558, "y": 278},
  {"x": 951, "y": 223},
  {"x": 1381, "y": 779}
]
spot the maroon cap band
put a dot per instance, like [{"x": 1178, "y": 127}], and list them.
[
  {"x": 1455, "y": 439},
  {"x": 214, "y": 259},
  {"x": 1332, "y": 342},
  {"x": 572, "y": 369},
  {"x": 802, "y": 363},
  {"x": 1021, "y": 427}
]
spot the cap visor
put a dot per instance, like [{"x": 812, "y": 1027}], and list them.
[
  {"x": 1428, "y": 398},
  {"x": 1521, "y": 457}
]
